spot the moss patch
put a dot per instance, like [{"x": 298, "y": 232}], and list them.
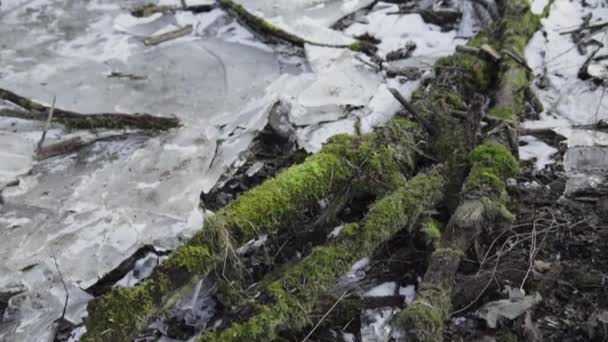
[
  {"x": 374, "y": 162},
  {"x": 492, "y": 165},
  {"x": 431, "y": 230},
  {"x": 427, "y": 313}
]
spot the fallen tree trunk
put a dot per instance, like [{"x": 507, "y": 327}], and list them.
[
  {"x": 483, "y": 194},
  {"x": 285, "y": 303},
  {"x": 376, "y": 163},
  {"x": 73, "y": 120}
]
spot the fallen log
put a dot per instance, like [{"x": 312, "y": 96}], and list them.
[
  {"x": 483, "y": 194},
  {"x": 286, "y": 302},
  {"x": 74, "y": 120},
  {"x": 376, "y": 163}
]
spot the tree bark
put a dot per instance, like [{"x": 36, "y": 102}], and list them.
[{"x": 483, "y": 194}]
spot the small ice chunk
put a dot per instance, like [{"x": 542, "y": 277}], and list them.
[
  {"x": 143, "y": 269},
  {"x": 255, "y": 168},
  {"x": 409, "y": 292},
  {"x": 538, "y": 150},
  {"x": 252, "y": 244},
  {"x": 383, "y": 290},
  {"x": 348, "y": 337},
  {"x": 375, "y": 325},
  {"x": 336, "y": 231}
]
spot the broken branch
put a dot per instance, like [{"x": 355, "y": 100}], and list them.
[{"x": 74, "y": 120}]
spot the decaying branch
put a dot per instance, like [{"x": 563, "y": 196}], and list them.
[
  {"x": 150, "y": 9},
  {"x": 376, "y": 162},
  {"x": 164, "y": 37},
  {"x": 483, "y": 195},
  {"x": 291, "y": 300},
  {"x": 74, "y": 120}
]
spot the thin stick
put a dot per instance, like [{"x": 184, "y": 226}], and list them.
[
  {"x": 324, "y": 316},
  {"x": 411, "y": 110},
  {"x": 67, "y": 293},
  {"x": 47, "y": 125}
]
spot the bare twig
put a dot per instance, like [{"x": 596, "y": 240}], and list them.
[
  {"x": 65, "y": 288},
  {"x": 517, "y": 58},
  {"x": 46, "y": 126},
  {"x": 424, "y": 122},
  {"x": 325, "y": 316}
]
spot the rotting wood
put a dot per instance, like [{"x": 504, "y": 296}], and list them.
[
  {"x": 483, "y": 195},
  {"x": 74, "y": 120},
  {"x": 424, "y": 122},
  {"x": 149, "y": 9}
]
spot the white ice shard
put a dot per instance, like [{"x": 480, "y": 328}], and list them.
[
  {"x": 308, "y": 19},
  {"x": 568, "y": 100}
]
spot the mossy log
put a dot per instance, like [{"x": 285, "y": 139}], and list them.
[
  {"x": 376, "y": 163},
  {"x": 266, "y": 29},
  {"x": 483, "y": 193},
  {"x": 73, "y": 120},
  {"x": 285, "y": 303}
]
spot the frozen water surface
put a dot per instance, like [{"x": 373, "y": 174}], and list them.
[
  {"x": 568, "y": 100},
  {"x": 92, "y": 209}
]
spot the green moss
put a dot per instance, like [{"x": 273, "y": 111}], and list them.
[
  {"x": 359, "y": 46},
  {"x": 427, "y": 313},
  {"x": 470, "y": 73},
  {"x": 117, "y": 314},
  {"x": 447, "y": 252},
  {"x": 496, "y": 158},
  {"x": 431, "y": 231},
  {"x": 349, "y": 231},
  {"x": 503, "y": 113},
  {"x": 194, "y": 259},
  {"x": 480, "y": 178},
  {"x": 454, "y": 101},
  {"x": 292, "y": 297},
  {"x": 271, "y": 203},
  {"x": 374, "y": 162},
  {"x": 492, "y": 165}
]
